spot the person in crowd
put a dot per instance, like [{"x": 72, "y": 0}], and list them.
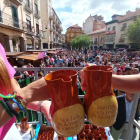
[
  {"x": 117, "y": 67},
  {"x": 25, "y": 74},
  {"x": 82, "y": 64},
  {"x": 86, "y": 59},
  {"x": 128, "y": 71},
  {"x": 120, "y": 127},
  {"x": 127, "y": 63},
  {"x": 54, "y": 65},
  {"x": 135, "y": 71},
  {"x": 35, "y": 91},
  {"x": 61, "y": 64},
  {"x": 118, "y": 72},
  {"x": 42, "y": 63},
  {"x": 18, "y": 75},
  {"x": 30, "y": 72},
  {"x": 48, "y": 64},
  {"x": 97, "y": 62},
  {"x": 123, "y": 66},
  {"x": 40, "y": 75},
  {"x": 58, "y": 61}
]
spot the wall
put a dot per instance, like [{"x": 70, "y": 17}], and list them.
[
  {"x": 111, "y": 28},
  {"x": 88, "y": 25},
  {"x": 122, "y": 32},
  {"x": 97, "y": 25}
]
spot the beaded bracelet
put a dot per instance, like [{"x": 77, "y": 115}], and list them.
[
  {"x": 6, "y": 109},
  {"x": 10, "y": 107}
]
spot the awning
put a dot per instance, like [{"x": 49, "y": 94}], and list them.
[
  {"x": 15, "y": 53},
  {"x": 52, "y": 52},
  {"x": 32, "y": 57}
]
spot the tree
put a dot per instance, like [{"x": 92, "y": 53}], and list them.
[
  {"x": 81, "y": 41},
  {"x": 132, "y": 33}
]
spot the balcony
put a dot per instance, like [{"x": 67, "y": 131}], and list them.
[
  {"x": 12, "y": 22},
  {"x": 19, "y": 2},
  {"x": 122, "y": 40},
  {"x": 51, "y": 16},
  {"x": 28, "y": 7},
  {"x": 95, "y": 42},
  {"x": 30, "y": 30},
  {"x": 123, "y": 28},
  {"x": 37, "y": 14},
  {"x": 39, "y": 33}
]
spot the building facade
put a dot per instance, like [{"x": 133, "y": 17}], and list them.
[
  {"x": 31, "y": 15},
  {"x": 115, "y": 30},
  {"x": 93, "y": 23},
  {"x": 72, "y": 32},
  {"x": 12, "y": 26},
  {"x": 52, "y": 26},
  {"x": 98, "y": 39}
]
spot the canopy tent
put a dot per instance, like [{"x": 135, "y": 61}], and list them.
[
  {"x": 16, "y": 53},
  {"x": 32, "y": 57}
]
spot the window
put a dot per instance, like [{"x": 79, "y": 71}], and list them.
[
  {"x": 114, "y": 28},
  {"x": 101, "y": 39},
  {"x": 122, "y": 36},
  {"x": 114, "y": 18},
  {"x": 73, "y": 29},
  {"x": 71, "y": 34},
  {"x": 36, "y": 8},
  {"x": 15, "y": 16},
  {"x": 37, "y": 28},
  {"x": 28, "y": 3},
  {"x": 124, "y": 24},
  {"x": 109, "y": 29},
  {"x": 28, "y": 20}
]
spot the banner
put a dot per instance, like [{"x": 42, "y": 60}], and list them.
[{"x": 42, "y": 55}]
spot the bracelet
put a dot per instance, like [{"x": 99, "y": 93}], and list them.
[
  {"x": 11, "y": 108},
  {"x": 6, "y": 109},
  {"x": 21, "y": 108}
]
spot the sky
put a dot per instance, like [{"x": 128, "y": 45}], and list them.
[{"x": 73, "y": 12}]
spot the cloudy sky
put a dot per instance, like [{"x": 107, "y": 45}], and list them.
[{"x": 73, "y": 12}]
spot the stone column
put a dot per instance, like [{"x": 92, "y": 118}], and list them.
[
  {"x": 33, "y": 43},
  {"x": 40, "y": 44},
  {"x": 8, "y": 44},
  {"x": 23, "y": 45}
]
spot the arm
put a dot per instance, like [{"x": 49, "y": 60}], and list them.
[
  {"x": 44, "y": 108},
  {"x": 128, "y": 83},
  {"x": 36, "y": 91},
  {"x": 18, "y": 77}
]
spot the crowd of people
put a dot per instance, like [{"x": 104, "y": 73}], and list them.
[{"x": 122, "y": 62}]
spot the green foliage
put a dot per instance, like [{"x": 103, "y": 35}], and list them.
[
  {"x": 132, "y": 33},
  {"x": 81, "y": 41}
]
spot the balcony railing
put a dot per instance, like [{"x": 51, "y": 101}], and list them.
[
  {"x": 51, "y": 16},
  {"x": 37, "y": 14},
  {"x": 8, "y": 20},
  {"x": 122, "y": 40},
  {"x": 28, "y": 7},
  {"x": 17, "y": 1}
]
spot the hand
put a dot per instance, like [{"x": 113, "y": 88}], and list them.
[
  {"x": 45, "y": 108},
  {"x": 82, "y": 76}
]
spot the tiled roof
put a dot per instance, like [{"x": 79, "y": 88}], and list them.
[
  {"x": 98, "y": 31},
  {"x": 129, "y": 15},
  {"x": 75, "y": 26}
]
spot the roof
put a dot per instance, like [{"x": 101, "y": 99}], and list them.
[
  {"x": 98, "y": 31},
  {"x": 129, "y": 15},
  {"x": 29, "y": 57},
  {"x": 15, "y": 53},
  {"x": 75, "y": 26}
]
